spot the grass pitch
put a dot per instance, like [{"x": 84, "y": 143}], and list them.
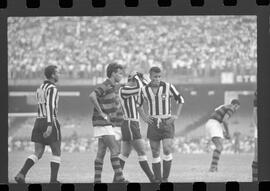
[{"x": 79, "y": 168}]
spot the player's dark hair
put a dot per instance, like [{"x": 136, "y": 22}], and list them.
[
  {"x": 235, "y": 102},
  {"x": 49, "y": 71},
  {"x": 113, "y": 67},
  {"x": 154, "y": 69}
]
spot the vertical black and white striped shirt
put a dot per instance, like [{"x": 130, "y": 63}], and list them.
[
  {"x": 159, "y": 104},
  {"x": 47, "y": 98},
  {"x": 128, "y": 98}
]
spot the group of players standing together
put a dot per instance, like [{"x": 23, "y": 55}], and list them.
[{"x": 116, "y": 123}]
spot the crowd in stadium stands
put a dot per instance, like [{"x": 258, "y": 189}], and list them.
[
  {"x": 198, "y": 46},
  {"x": 181, "y": 145}
]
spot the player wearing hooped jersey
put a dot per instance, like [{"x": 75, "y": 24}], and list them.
[
  {"x": 217, "y": 129},
  {"x": 160, "y": 120},
  {"x": 46, "y": 129},
  {"x": 131, "y": 135}
]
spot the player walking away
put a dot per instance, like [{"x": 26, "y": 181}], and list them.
[
  {"x": 217, "y": 128},
  {"x": 104, "y": 100},
  {"x": 46, "y": 129},
  {"x": 255, "y": 160},
  {"x": 128, "y": 95},
  {"x": 160, "y": 119}
]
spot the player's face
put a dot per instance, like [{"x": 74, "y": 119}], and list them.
[
  {"x": 236, "y": 107},
  {"x": 56, "y": 75},
  {"x": 155, "y": 78},
  {"x": 118, "y": 75}
]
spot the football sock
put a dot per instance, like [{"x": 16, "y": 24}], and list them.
[
  {"x": 117, "y": 168},
  {"x": 30, "y": 161},
  {"x": 55, "y": 163},
  {"x": 122, "y": 160},
  {"x": 215, "y": 158},
  {"x": 254, "y": 171},
  {"x": 98, "y": 170},
  {"x": 145, "y": 167},
  {"x": 167, "y": 163},
  {"x": 156, "y": 165}
]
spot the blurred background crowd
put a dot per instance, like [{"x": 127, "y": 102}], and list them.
[
  {"x": 74, "y": 143},
  {"x": 195, "y": 46}
]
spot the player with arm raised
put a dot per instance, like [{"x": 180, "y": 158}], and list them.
[
  {"x": 131, "y": 135},
  {"x": 160, "y": 120},
  {"x": 46, "y": 129},
  {"x": 104, "y": 100},
  {"x": 217, "y": 128}
]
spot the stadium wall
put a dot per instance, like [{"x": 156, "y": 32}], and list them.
[{"x": 74, "y": 99}]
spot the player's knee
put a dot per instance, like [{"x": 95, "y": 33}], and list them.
[
  {"x": 155, "y": 154},
  {"x": 167, "y": 151},
  {"x": 220, "y": 147},
  {"x": 39, "y": 154}
]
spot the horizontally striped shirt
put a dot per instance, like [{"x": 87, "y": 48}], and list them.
[
  {"x": 106, "y": 97},
  {"x": 117, "y": 118},
  {"x": 159, "y": 103},
  {"x": 47, "y": 99},
  {"x": 221, "y": 111},
  {"x": 128, "y": 98}
]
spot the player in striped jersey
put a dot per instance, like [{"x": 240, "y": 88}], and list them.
[
  {"x": 160, "y": 119},
  {"x": 46, "y": 130},
  {"x": 255, "y": 160},
  {"x": 105, "y": 107},
  {"x": 217, "y": 129},
  {"x": 131, "y": 135}
]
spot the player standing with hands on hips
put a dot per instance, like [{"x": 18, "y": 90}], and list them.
[
  {"x": 46, "y": 130},
  {"x": 160, "y": 120},
  {"x": 217, "y": 129},
  {"x": 105, "y": 106}
]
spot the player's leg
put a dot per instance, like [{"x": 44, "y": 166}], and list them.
[
  {"x": 111, "y": 143},
  {"x": 216, "y": 153},
  {"x": 255, "y": 162},
  {"x": 124, "y": 154},
  {"x": 30, "y": 161},
  {"x": 98, "y": 164},
  {"x": 55, "y": 160},
  {"x": 167, "y": 158},
  {"x": 139, "y": 147},
  {"x": 156, "y": 165}
]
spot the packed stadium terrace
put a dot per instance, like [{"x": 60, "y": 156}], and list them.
[{"x": 197, "y": 46}]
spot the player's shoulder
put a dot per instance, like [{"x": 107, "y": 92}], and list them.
[{"x": 48, "y": 85}]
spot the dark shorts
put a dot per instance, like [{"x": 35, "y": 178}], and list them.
[
  {"x": 40, "y": 127},
  {"x": 163, "y": 131},
  {"x": 130, "y": 130}
]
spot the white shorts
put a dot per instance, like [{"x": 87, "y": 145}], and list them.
[
  {"x": 117, "y": 133},
  {"x": 100, "y": 131},
  {"x": 256, "y": 132},
  {"x": 214, "y": 128}
]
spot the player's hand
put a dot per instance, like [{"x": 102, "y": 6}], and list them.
[
  {"x": 171, "y": 119},
  {"x": 48, "y": 132},
  {"x": 147, "y": 119},
  {"x": 227, "y": 136},
  {"x": 106, "y": 117}
]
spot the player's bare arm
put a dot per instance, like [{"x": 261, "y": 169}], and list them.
[
  {"x": 93, "y": 98},
  {"x": 178, "y": 113},
  {"x": 146, "y": 118},
  {"x": 225, "y": 124}
]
